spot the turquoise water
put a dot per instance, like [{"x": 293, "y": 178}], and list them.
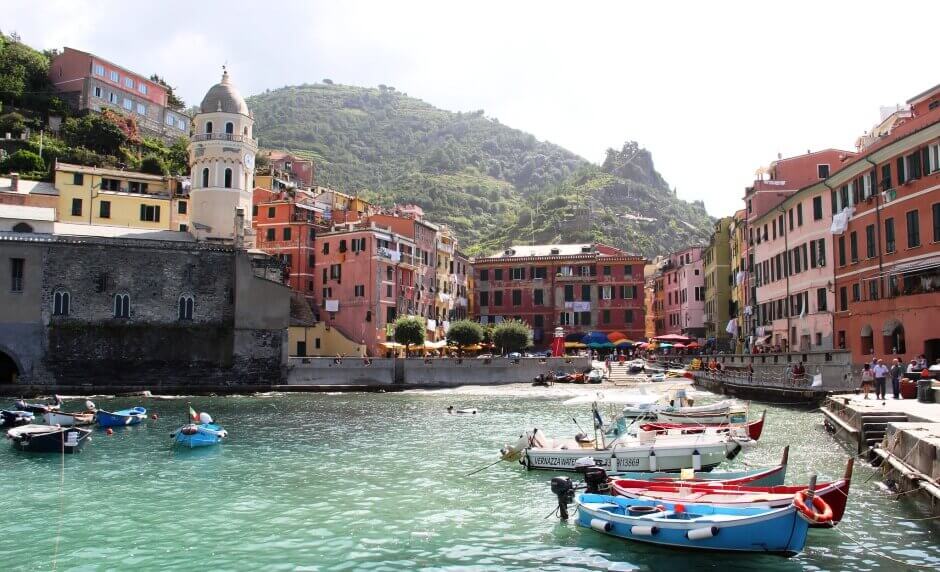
[{"x": 376, "y": 482}]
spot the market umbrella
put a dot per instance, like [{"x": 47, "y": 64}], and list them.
[
  {"x": 679, "y": 346},
  {"x": 574, "y": 336},
  {"x": 665, "y": 345},
  {"x": 574, "y": 345},
  {"x": 594, "y": 338},
  {"x": 672, "y": 338},
  {"x": 616, "y": 336},
  {"x": 693, "y": 345},
  {"x": 624, "y": 344}
]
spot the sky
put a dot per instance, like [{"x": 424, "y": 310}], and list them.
[{"x": 714, "y": 90}]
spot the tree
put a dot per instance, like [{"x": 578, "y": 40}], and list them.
[
  {"x": 13, "y": 123},
  {"x": 154, "y": 165},
  {"x": 94, "y": 132},
  {"x": 464, "y": 333},
  {"x": 409, "y": 332},
  {"x": 24, "y": 161},
  {"x": 512, "y": 336},
  {"x": 173, "y": 101},
  {"x": 24, "y": 73}
]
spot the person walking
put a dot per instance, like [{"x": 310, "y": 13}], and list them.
[
  {"x": 867, "y": 379},
  {"x": 881, "y": 373},
  {"x": 896, "y": 370}
]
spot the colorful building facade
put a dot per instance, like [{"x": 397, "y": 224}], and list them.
[
  {"x": 578, "y": 287},
  {"x": 717, "y": 267}
]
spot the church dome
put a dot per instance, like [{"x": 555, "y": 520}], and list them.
[{"x": 224, "y": 97}]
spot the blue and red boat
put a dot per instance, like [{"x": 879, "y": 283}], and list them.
[{"x": 120, "y": 418}]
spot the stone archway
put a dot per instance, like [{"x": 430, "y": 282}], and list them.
[
  {"x": 893, "y": 333},
  {"x": 9, "y": 369}
]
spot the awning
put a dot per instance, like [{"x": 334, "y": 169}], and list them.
[
  {"x": 915, "y": 265},
  {"x": 890, "y": 326}
]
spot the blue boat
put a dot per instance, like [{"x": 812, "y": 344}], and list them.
[
  {"x": 120, "y": 418},
  {"x": 696, "y": 526},
  {"x": 198, "y": 435}
]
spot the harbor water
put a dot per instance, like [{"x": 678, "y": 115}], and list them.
[{"x": 378, "y": 482}]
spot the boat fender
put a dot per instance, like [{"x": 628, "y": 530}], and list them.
[
  {"x": 702, "y": 533},
  {"x": 644, "y": 530},
  {"x": 696, "y": 460},
  {"x": 109, "y": 431},
  {"x": 189, "y": 430},
  {"x": 820, "y": 513},
  {"x": 652, "y": 460},
  {"x": 601, "y": 525},
  {"x": 613, "y": 462},
  {"x": 525, "y": 460}
]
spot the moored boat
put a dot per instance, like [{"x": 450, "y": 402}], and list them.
[
  {"x": 762, "y": 477},
  {"x": 719, "y": 413},
  {"x": 15, "y": 418},
  {"x": 645, "y": 452},
  {"x": 752, "y": 428},
  {"x": 48, "y": 439},
  {"x": 203, "y": 432},
  {"x": 120, "y": 418},
  {"x": 37, "y": 408},
  {"x": 697, "y": 526},
  {"x": 835, "y": 493},
  {"x": 68, "y": 419}
]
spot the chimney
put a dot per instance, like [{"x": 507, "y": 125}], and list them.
[
  {"x": 14, "y": 182},
  {"x": 239, "y": 228}
]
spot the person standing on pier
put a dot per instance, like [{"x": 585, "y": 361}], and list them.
[
  {"x": 881, "y": 377},
  {"x": 896, "y": 370},
  {"x": 867, "y": 378}
]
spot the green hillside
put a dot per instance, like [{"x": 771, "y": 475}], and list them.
[{"x": 493, "y": 184}]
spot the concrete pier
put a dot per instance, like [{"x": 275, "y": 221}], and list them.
[{"x": 900, "y": 435}]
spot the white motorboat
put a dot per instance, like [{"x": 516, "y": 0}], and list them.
[
  {"x": 721, "y": 412},
  {"x": 643, "y": 452}
]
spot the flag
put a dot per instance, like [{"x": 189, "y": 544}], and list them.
[{"x": 193, "y": 414}]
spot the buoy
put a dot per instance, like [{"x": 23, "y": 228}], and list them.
[
  {"x": 696, "y": 460},
  {"x": 678, "y": 508},
  {"x": 109, "y": 431},
  {"x": 644, "y": 530},
  {"x": 652, "y": 461}
]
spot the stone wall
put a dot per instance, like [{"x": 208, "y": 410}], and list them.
[{"x": 418, "y": 372}]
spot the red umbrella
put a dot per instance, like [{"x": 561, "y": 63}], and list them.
[
  {"x": 679, "y": 345},
  {"x": 693, "y": 345},
  {"x": 672, "y": 338},
  {"x": 614, "y": 336}
]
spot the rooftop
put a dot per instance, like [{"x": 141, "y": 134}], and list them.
[
  {"x": 103, "y": 231},
  {"x": 224, "y": 97},
  {"x": 26, "y": 187},
  {"x": 27, "y": 213},
  {"x": 72, "y": 168}
]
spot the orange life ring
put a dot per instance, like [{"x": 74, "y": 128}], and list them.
[{"x": 820, "y": 513}]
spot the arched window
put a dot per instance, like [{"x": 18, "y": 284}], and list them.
[
  {"x": 228, "y": 178},
  {"x": 122, "y": 306},
  {"x": 230, "y": 127},
  {"x": 22, "y": 227},
  {"x": 208, "y": 127},
  {"x": 205, "y": 177},
  {"x": 185, "y": 309},
  {"x": 61, "y": 303}
]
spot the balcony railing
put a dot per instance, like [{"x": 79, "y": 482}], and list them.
[
  {"x": 574, "y": 277},
  {"x": 223, "y": 137}
]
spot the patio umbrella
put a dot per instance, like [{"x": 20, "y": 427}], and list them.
[
  {"x": 574, "y": 345},
  {"x": 692, "y": 345},
  {"x": 616, "y": 336},
  {"x": 594, "y": 338},
  {"x": 672, "y": 338},
  {"x": 679, "y": 346},
  {"x": 665, "y": 345},
  {"x": 574, "y": 336},
  {"x": 624, "y": 344}
]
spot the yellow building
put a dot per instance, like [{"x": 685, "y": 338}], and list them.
[
  {"x": 320, "y": 340},
  {"x": 112, "y": 197},
  {"x": 737, "y": 232}
]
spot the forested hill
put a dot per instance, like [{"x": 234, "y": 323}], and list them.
[{"x": 493, "y": 184}]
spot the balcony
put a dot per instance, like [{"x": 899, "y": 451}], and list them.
[
  {"x": 223, "y": 137},
  {"x": 574, "y": 277}
]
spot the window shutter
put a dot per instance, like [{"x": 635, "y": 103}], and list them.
[
  {"x": 925, "y": 159},
  {"x": 143, "y": 212},
  {"x": 901, "y": 173},
  {"x": 593, "y": 270},
  {"x": 156, "y": 213}
]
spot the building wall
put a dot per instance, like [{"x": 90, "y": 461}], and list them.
[
  {"x": 545, "y": 317},
  {"x": 152, "y": 347},
  {"x": 323, "y": 341},
  {"x": 718, "y": 282},
  {"x": 124, "y": 206}
]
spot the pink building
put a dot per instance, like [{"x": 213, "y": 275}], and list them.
[
  {"x": 683, "y": 276},
  {"x": 793, "y": 272},
  {"x": 363, "y": 273}
]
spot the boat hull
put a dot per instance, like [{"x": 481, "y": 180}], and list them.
[
  {"x": 68, "y": 419},
  {"x": 698, "y": 527},
  {"x": 635, "y": 458},
  {"x": 15, "y": 418},
  {"x": 753, "y": 428},
  {"x": 204, "y": 435},
  {"x": 121, "y": 418},
  {"x": 45, "y": 439}
]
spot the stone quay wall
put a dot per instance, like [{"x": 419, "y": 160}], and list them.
[{"x": 418, "y": 372}]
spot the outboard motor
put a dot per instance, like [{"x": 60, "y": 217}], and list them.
[
  {"x": 595, "y": 480},
  {"x": 564, "y": 490}
]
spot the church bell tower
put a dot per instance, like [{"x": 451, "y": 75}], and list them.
[{"x": 222, "y": 164}]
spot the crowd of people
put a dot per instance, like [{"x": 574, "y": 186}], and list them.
[{"x": 875, "y": 375}]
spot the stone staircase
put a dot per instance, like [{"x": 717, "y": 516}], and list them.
[
  {"x": 619, "y": 373},
  {"x": 874, "y": 425}
]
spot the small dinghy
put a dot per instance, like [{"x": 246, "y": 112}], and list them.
[
  {"x": 68, "y": 419},
  {"x": 15, "y": 418},
  {"x": 202, "y": 434},
  {"x": 466, "y": 411},
  {"x": 835, "y": 493},
  {"x": 46, "y": 439},
  {"x": 752, "y": 428},
  {"x": 120, "y": 418},
  {"x": 699, "y": 526},
  {"x": 595, "y": 376},
  {"x": 38, "y": 408}
]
